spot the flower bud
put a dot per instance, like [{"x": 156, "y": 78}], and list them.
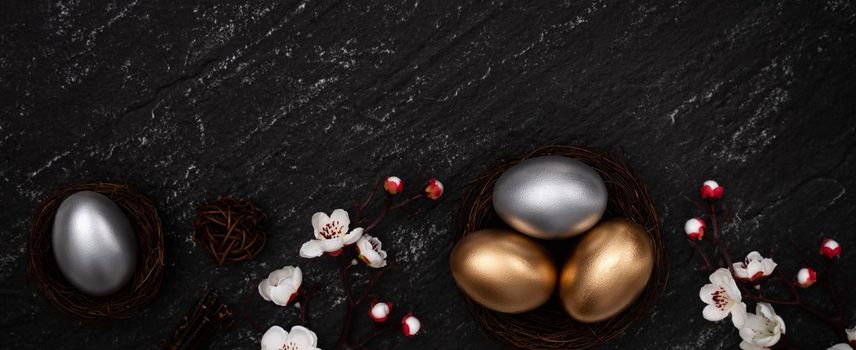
[
  {"x": 711, "y": 190},
  {"x": 393, "y": 185},
  {"x": 830, "y": 248},
  {"x": 410, "y": 325},
  {"x": 379, "y": 311},
  {"x": 694, "y": 229},
  {"x": 434, "y": 189},
  {"x": 806, "y": 277}
]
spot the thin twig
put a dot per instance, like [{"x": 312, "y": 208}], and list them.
[
  {"x": 707, "y": 265},
  {"x": 749, "y": 293}
]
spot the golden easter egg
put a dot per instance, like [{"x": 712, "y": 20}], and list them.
[
  {"x": 608, "y": 269},
  {"x": 503, "y": 270}
]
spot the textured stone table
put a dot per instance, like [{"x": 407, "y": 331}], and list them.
[{"x": 301, "y": 105}]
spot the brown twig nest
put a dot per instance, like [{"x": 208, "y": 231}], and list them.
[
  {"x": 230, "y": 229},
  {"x": 549, "y": 327},
  {"x": 146, "y": 282}
]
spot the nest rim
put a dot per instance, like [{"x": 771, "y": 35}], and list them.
[
  {"x": 549, "y": 326},
  {"x": 43, "y": 272}
]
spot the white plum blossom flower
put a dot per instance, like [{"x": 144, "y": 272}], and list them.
[
  {"x": 851, "y": 335},
  {"x": 282, "y": 285},
  {"x": 723, "y": 298},
  {"x": 370, "y": 251},
  {"x": 300, "y": 338},
  {"x": 763, "y": 328},
  {"x": 331, "y": 234},
  {"x": 840, "y": 346},
  {"x": 754, "y": 267}
]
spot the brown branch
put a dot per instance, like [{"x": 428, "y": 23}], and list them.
[
  {"x": 388, "y": 207},
  {"x": 717, "y": 238},
  {"x": 345, "y": 333},
  {"x": 376, "y": 332},
  {"x": 707, "y": 265},
  {"x": 358, "y": 208},
  {"x": 373, "y": 281},
  {"x": 749, "y": 293}
]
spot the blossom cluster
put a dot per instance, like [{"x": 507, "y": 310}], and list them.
[
  {"x": 333, "y": 236},
  {"x": 724, "y": 295}
]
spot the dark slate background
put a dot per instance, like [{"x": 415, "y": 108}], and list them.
[{"x": 300, "y": 106}]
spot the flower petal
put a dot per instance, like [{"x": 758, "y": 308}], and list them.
[
  {"x": 281, "y": 294},
  {"x": 754, "y": 268},
  {"x": 319, "y": 219},
  {"x": 781, "y": 323},
  {"x": 276, "y": 276},
  {"x": 840, "y": 346},
  {"x": 747, "y": 332},
  {"x": 274, "y": 338},
  {"x": 373, "y": 259},
  {"x": 264, "y": 289},
  {"x": 363, "y": 244},
  {"x": 753, "y": 256},
  {"x": 772, "y": 339},
  {"x": 766, "y": 310},
  {"x": 749, "y": 346},
  {"x": 753, "y": 321},
  {"x": 720, "y": 276},
  {"x": 330, "y": 245},
  {"x": 738, "y": 314},
  {"x": 353, "y": 236},
  {"x": 303, "y": 337},
  {"x": 769, "y": 265},
  {"x": 731, "y": 289},
  {"x": 740, "y": 270},
  {"x": 341, "y": 216},
  {"x": 706, "y": 293},
  {"x": 297, "y": 277},
  {"x": 311, "y": 249},
  {"x": 713, "y": 313}
]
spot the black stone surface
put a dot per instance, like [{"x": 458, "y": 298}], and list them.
[{"x": 299, "y": 106}]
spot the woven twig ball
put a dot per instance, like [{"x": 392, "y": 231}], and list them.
[
  {"x": 43, "y": 271},
  {"x": 229, "y": 229},
  {"x": 549, "y": 327}
]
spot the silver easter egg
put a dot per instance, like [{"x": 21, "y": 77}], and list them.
[
  {"x": 94, "y": 243},
  {"x": 550, "y": 197}
]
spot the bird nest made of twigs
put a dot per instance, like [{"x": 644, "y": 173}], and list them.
[
  {"x": 549, "y": 326},
  {"x": 42, "y": 267},
  {"x": 230, "y": 229}
]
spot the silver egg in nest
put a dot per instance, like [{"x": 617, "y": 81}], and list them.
[
  {"x": 94, "y": 243},
  {"x": 550, "y": 197}
]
